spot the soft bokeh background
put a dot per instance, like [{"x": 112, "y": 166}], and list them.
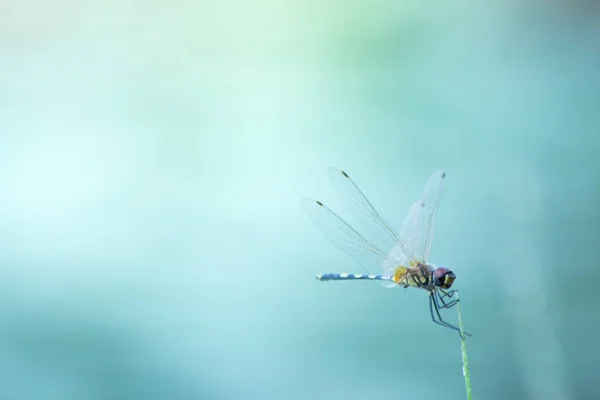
[{"x": 152, "y": 160}]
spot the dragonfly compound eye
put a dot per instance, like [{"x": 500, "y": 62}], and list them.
[{"x": 443, "y": 277}]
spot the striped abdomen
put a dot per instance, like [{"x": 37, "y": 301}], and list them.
[{"x": 345, "y": 277}]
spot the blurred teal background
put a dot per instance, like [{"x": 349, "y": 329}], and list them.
[{"x": 152, "y": 160}]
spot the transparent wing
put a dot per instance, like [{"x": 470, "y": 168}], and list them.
[
  {"x": 418, "y": 228},
  {"x": 361, "y": 209},
  {"x": 412, "y": 233},
  {"x": 347, "y": 239},
  {"x": 431, "y": 198}
]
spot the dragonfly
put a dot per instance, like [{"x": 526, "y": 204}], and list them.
[{"x": 393, "y": 260}]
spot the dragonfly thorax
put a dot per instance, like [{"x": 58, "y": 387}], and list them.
[{"x": 443, "y": 277}]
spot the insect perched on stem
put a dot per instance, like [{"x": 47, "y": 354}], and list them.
[{"x": 403, "y": 257}]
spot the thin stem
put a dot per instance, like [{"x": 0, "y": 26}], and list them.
[{"x": 465, "y": 361}]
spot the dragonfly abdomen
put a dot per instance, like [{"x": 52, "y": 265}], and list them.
[{"x": 345, "y": 277}]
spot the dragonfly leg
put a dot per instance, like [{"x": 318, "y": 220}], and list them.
[
  {"x": 449, "y": 293},
  {"x": 445, "y": 295},
  {"x": 439, "y": 320},
  {"x": 433, "y": 305}
]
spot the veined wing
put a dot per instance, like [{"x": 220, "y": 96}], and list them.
[
  {"x": 418, "y": 228},
  {"x": 412, "y": 235},
  {"x": 361, "y": 208},
  {"x": 431, "y": 198},
  {"x": 347, "y": 239}
]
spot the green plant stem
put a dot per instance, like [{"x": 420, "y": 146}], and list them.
[{"x": 465, "y": 361}]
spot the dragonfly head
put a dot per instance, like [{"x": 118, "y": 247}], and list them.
[{"x": 443, "y": 277}]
